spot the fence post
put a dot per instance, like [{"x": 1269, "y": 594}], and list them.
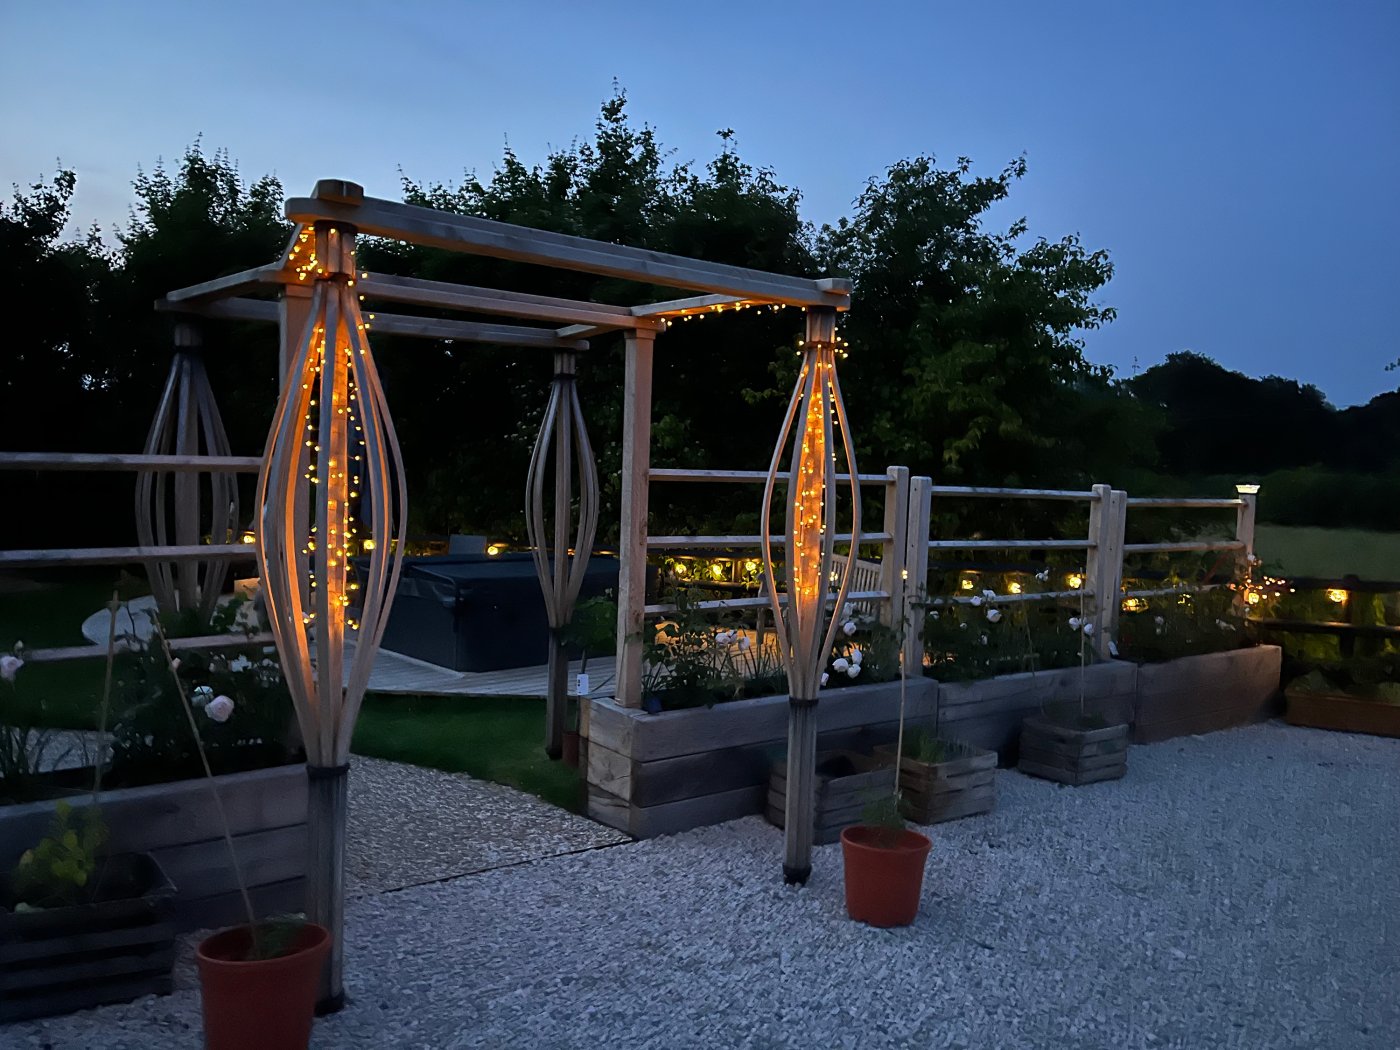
[
  {"x": 1096, "y": 563},
  {"x": 632, "y": 535},
  {"x": 914, "y": 572},
  {"x": 1244, "y": 522},
  {"x": 892, "y": 563},
  {"x": 1112, "y": 558}
]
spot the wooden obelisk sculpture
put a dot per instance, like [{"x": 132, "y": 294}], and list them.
[
  {"x": 170, "y": 506},
  {"x": 815, "y": 591},
  {"x": 331, "y": 487},
  {"x": 560, "y": 575}
]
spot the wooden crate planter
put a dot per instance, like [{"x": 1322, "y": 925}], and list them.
[
  {"x": 962, "y": 785},
  {"x": 1202, "y": 694},
  {"x": 659, "y": 774},
  {"x": 846, "y": 783},
  {"x": 1347, "y": 714},
  {"x": 1073, "y": 756},
  {"x": 178, "y": 825},
  {"x": 113, "y": 950},
  {"x": 988, "y": 713}
]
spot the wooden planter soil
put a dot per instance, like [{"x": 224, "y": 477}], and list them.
[
  {"x": 179, "y": 826},
  {"x": 1073, "y": 756},
  {"x": 960, "y": 786},
  {"x": 1201, "y": 694},
  {"x": 988, "y": 713},
  {"x": 659, "y": 774},
  {"x": 1347, "y": 714},
  {"x": 846, "y": 783},
  {"x": 114, "y": 950}
]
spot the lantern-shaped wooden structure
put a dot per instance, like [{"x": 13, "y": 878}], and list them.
[
  {"x": 331, "y": 488},
  {"x": 171, "y": 505},
  {"x": 561, "y": 575},
  {"x": 815, "y": 588}
]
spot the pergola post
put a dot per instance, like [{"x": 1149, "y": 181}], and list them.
[
  {"x": 632, "y": 534},
  {"x": 816, "y": 422},
  {"x": 330, "y": 488},
  {"x": 187, "y": 416},
  {"x": 560, "y": 575},
  {"x": 293, "y": 311}
]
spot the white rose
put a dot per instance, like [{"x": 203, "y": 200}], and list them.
[
  {"x": 857, "y": 656},
  {"x": 935, "y": 614},
  {"x": 219, "y": 708},
  {"x": 984, "y": 639},
  {"x": 723, "y": 637},
  {"x": 824, "y": 678},
  {"x": 977, "y": 599},
  {"x": 853, "y": 671},
  {"x": 743, "y": 643},
  {"x": 175, "y": 664},
  {"x": 993, "y": 615},
  {"x": 1074, "y": 623},
  {"x": 989, "y": 594},
  {"x": 9, "y": 667},
  {"x": 1159, "y": 620},
  {"x": 1112, "y": 648},
  {"x": 848, "y": 628},
  {"x": 848, "y": 610},
  {"x": 202, "y": 695},
  {"x": 1043, "y": 577},
  {"x": 840, "y": 664},
  {"x": 1088, "y": 628},
  {"x": 962, "y": 626}
]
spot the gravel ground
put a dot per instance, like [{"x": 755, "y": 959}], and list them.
[
  {"x": 409, "y": 825},
  {"x": 1236, "y": 890}
]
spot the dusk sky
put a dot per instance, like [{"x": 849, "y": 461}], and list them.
[{"x": 1239, "y": 161}]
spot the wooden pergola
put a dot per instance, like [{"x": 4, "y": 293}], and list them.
[{"x": 315, "y": 295}]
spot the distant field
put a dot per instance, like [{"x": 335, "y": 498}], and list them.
[{"x": 1305, "y": 551}]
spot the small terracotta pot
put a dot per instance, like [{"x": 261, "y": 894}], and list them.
[
  {"x": 263, "y": 1003},
  {"x": 883, "y": 878}
]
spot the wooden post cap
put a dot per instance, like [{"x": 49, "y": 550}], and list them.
[{"x": 340, "y": 190}]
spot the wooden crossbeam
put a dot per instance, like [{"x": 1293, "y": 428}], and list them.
[
  {"x": 34, "y": 559},
  {"x": 239, "y": 309},
  {"x": 333, "y": 200},
  {"x": 258, "y": 278},
  {"x": 98, "y": 461},
  {"x": 469, "y": 299}
]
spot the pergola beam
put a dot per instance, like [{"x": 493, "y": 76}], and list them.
[
  {"x": 241, "y": 309},
  {"x": 259, "y": 277},
  {"x": 332, "y": 201},
  {"x": 469, "y": 299}
]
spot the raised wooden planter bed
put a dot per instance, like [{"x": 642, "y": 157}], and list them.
[
  {"x": 988, "y": 713},
  {"x": 962, "y": 785},
  {"x": 846, "y": 783},
  {"x": 1347, "y": 714},
  {"x": 1073, "y": 756},
  {"x": 119, "y": 947},
  {"x": 659, "y": 774},
  {"x": 179, "y": 826},
  {"x": 1201, "y": 694}
]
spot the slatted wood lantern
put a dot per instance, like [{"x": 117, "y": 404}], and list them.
[
  {"x": 171, "y": 506},
  {"x": 331, "y": 487},
  {"x": 815, "y": 588},
  {"x": 561, "y": 575}
]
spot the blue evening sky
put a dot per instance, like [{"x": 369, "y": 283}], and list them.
[{"x": 1239, "y": 160}]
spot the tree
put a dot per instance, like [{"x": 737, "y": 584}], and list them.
[{"x": 980, "y": 337}]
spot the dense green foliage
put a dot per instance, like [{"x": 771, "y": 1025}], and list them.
[{"x": 967, "y": 358}]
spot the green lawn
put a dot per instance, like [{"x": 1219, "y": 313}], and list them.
[
  {"x": 495, "y": 738},
  {"x": 1306, "y": 551}
]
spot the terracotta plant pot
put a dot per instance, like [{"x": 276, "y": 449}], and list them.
[
  {"x": 884, "y": 874},
  {"x": 263, "y": 1003}
]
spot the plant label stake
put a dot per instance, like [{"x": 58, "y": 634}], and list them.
[
  {"x": 330, "y": 488},
  {"x": 816, "y": 422}
]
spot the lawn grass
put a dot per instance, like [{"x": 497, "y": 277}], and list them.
[
  {"x": 496, "y": 738},
  {"x": 45, "y": 610},
  {"x": 1306, "y": 551}
]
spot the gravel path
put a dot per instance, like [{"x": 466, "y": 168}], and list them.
[
  {"x": 409, "y": 825},
  {"x": 1236, "y": 890}
]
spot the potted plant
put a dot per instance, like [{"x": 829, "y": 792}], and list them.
[
  {"x": 942, "y": 779},
  {"x": 1073, "y": 746},
  {"x": 884, "y": 866},
  {"x": 78, "y": 928},
  {"x": 258, "y": 981}
]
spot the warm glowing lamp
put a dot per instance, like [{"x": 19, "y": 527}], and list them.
[{"x": 815, "y": 588}]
